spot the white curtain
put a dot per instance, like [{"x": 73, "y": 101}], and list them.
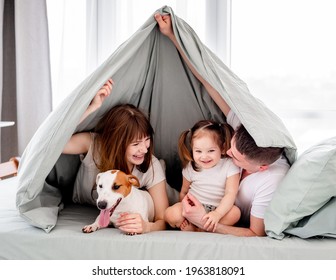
[
  {"x": 83, "y": 34},
  {"x": 25, "y": 92},
  {"x": 218, "y": 28}
]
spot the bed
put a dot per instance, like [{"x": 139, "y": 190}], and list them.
[
  {"x": 38, "y": 220},
  {"x": 21, "y": 241}
]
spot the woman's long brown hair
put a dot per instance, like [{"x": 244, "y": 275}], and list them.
[{"x": 119, "y": 127}]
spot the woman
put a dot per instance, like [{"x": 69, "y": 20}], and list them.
[{"x": 123, "y": 140}]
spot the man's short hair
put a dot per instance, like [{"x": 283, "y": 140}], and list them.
[{"x": 246, "y": 145}]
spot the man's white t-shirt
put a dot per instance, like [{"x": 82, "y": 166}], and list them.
[{"x": 256, "y": 190}]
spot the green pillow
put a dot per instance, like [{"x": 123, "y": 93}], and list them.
[
  {"x": 321, "y": 223},
  {"x": 309, "y": 184}
]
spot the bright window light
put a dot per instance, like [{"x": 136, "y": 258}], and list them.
[
  {"x": 68, "y": 33},
  {"x": 285, "y": 52}
]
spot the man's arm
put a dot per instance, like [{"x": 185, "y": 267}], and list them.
[
  {"x": 257, "y": 228},
  {"x": 166, "y": 29},
  {"x": 194, "y": 212}
]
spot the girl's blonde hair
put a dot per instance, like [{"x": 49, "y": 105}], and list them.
[
  {"x": 222, "y": 133},
  {"x": 118, "y": 128}
]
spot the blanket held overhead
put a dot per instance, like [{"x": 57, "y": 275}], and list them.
[{"x": 149, "y": 73}]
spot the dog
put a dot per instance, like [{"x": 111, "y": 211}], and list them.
[{"x": 119, "y": 193}]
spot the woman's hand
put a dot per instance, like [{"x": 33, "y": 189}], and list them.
[
  {"x": 102, "y": 94},
  {"x": 132, "y": 223},
  {"x": 98, "y": 100}
]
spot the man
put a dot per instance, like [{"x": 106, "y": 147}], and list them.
[{"x": 262, "y": 168}]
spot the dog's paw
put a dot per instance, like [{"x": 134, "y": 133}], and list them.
[{"x": 90, "y": 228}]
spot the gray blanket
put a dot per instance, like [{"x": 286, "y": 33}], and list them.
[{"x": 148, "y": 72}]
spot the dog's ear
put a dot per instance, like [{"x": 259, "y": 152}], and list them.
[{"x": 133, "y": 180}]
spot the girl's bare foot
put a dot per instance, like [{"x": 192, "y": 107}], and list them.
[{"x": 187, "y": 226}]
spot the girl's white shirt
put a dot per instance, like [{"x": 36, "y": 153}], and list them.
[{"x": 208, "y": 185}]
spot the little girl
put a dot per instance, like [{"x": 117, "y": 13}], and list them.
[{"x": 208, "y": 174}]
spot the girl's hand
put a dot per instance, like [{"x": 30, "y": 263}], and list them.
[
  {"x": 211, "y": 220},
  {"x": 132, "y": 223},
  {"x": 102, "y": 94}
]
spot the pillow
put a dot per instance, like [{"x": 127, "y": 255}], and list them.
[
  {"x": 309, "y": 184},
  {"x": 321, "y": 223}
]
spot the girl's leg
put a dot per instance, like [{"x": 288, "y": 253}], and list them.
[
  {"x": 173, "y": 215},
  {"x": 232, "y": 217},
  {"x": 187, "y": 226}
]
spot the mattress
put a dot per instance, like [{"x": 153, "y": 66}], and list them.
[{"x": 21, "y": 241}]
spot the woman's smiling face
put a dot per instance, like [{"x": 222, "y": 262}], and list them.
[{"x": 136, "y": 151}]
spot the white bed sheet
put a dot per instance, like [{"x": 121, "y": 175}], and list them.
[{"x": 21, "y": 241}]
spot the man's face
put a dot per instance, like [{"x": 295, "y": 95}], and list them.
[{"x": 241, "y": 160}]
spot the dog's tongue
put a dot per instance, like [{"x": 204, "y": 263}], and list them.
[{"x": 104, "y": 218}]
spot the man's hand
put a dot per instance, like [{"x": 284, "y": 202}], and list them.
[
  {"x": 193, "y": 210},
  {"x": 165, "y": 24}
]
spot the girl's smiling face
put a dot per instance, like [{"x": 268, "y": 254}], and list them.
[
  {"x": 206, "y": 152},
  {"x": 136, "y": 151}
]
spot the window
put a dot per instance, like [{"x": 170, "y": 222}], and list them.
[
  {"x": 84, "y": 33},
  {"x": 285, "y": 52}
]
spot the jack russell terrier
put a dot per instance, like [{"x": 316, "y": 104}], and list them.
[{"x": 118, "y": 193}]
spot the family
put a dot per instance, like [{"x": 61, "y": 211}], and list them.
[{"x": 228, "y": 181}]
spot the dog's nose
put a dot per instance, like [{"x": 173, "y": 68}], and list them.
[{"x": 102, "y": 204}]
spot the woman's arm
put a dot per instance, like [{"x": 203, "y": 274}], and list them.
[
  {"x": 98, "y": 100},
  {"x": 133, "y": 223},
  {"x": 80, "y": 143},
  {"x": 160, "y": 199}
]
